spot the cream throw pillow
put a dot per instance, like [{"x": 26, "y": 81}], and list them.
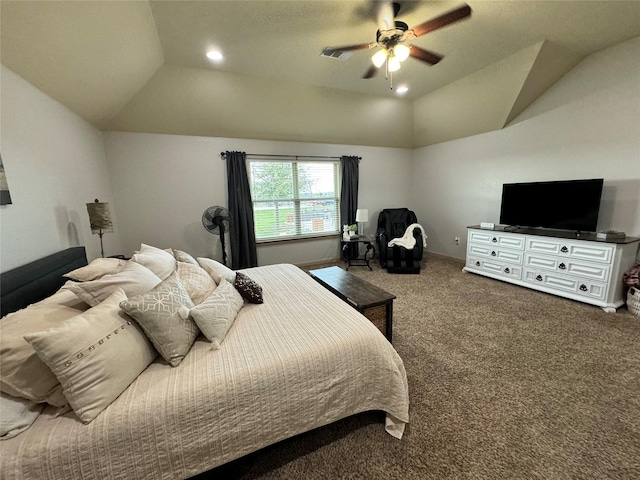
[
  {"x": 216, "y": 314},
  {"x": 95, "y": 355},
  {"x": 196, "y": 280},
  {"x": 217, "y": 270},
  {"x": 158, "y": 261},
  {"x": 22, "y": 373},
  {"x": 96, "y": 269},
  {"x": 157, "y": 313},
  {"x": 134, "y": 279},
  {"x": 183, "y": 256}
]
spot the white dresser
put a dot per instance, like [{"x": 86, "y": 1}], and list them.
[{"x": 577, "y": 267}]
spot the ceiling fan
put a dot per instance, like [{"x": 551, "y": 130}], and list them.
[{"x": 392, "y": 36}]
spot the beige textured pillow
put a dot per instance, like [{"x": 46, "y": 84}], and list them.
[
  {"x": 157, "y": 313},
  {"x": 217, "y": 270},
  {"x": 215, "y": 315},
  {"x": 96, "y": 269},
  {"x": 183, "y": 256},
  {"x": 95, "y": 355},
  {"x": 158, "y": 261},
  {"x": 22, "y": 373},
  {"x": 196, "y": 280},
  {"x": 134, "y": 279}
]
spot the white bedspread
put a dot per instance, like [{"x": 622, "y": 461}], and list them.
[{"x": 300, "y": 360}]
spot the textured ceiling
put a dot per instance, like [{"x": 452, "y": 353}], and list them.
[{"x": 96, "y": 57}]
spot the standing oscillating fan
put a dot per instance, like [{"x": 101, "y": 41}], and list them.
[{"x": 216, "y": 220}]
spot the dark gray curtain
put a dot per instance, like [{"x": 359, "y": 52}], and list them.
[
  {"x": 349, "y": 190},
  {"x": 242, "y": 231}
]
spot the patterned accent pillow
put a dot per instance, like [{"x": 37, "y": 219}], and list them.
[
  {"x": 157, "y": 313},
  {"x": 196, "y": 280},
  {"x": 158, "y": 261},
  {"x": 215, "y": 315},
  {"x": 95, "y": 355},
  {"x": 248, "y": 288}
]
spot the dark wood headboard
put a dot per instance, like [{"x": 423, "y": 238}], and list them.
[{"x": 37, "y": 280}]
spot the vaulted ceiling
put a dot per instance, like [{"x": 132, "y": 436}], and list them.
[{"x": 121, "y": 65}]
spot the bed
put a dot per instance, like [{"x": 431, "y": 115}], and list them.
[{"x": 297, "y": 361}]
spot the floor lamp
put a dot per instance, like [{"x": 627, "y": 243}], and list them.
[{"x": 100, "y": 219}]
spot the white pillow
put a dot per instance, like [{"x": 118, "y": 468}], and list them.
[
  {"x": 95, "y": 355},
  {"x": 158, "y": 261},
  {"x": 17, "y": 415},
  {"x": 22, "y": 373},
  {"x": 134, "y": 279},
  {"x": 96, "y": 269},
  {"x": 215, "y": 315},
  {"x": 196, "y": 280},
  {"x": 217, "y": 270}
]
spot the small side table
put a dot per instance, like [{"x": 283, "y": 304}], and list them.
[{"x": 353, "y": 244}]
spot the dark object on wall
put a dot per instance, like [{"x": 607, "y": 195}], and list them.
[
  {"x": 216, "y": 220},
  {"x": 5, "y": 196},
  {"x": 563, "y": 205},
  {"x": 393, "y": 223},
  {"x": 37, "y": 280}
]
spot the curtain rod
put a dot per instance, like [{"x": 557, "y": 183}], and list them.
[{"x": 224, "y": 154}]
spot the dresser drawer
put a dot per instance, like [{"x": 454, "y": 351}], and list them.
[
  {"x": 589, "y": 251},
  {"x": 497, "y": 239},
  {"x": 558, "y": 281},
  {"x": 492, "y": 266},
  {"x": 568, "y": 266},
  {"x": 487, "y": 251}
]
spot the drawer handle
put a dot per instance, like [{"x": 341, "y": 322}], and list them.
[
  {"x": 493, "y": 254},
  {"x": 506, "y": 270},
  {"x": 539, "y": 278},
  {"x": 562, "y": 266},
  {"x": 564, "y": 249},
  {"x": 494, "y": 240},
  {"x": 583, "y": 287},
  {"x": 477, "y": 264}
]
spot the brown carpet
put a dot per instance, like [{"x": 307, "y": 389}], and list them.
[{"x": 505, "y": 383}]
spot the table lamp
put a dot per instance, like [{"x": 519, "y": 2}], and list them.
[
  {"x": 362, "y": 217},
  {"x": 100, "y": 219}
]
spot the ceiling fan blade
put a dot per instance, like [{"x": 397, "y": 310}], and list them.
[
  {"x": 348, "y": 48},
  {"x": 424, "y": 55},
  {"x": 442, "y": 20},
  {"x": 371, "y": 72}
]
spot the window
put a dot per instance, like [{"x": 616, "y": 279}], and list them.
[{"x": 295, "y": 198}]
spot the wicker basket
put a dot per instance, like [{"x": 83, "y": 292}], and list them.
[{"x": 633, "y": 300}]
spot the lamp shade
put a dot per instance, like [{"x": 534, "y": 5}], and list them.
[
  {"x": 401, "y": 52},
  {"x": 100, "y": 217},
  {"x": 379, "y": 58},
  {"x": 362, "y": 215}
]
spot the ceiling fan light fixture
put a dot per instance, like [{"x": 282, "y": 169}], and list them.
[
  {"x": 379, "y": 58},
  {"x": 394, "y": 64},
  {"x": 401, "y": 52}
]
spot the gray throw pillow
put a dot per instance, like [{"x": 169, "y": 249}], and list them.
[
  {"x": 215, "y": 315},
  {"x": 157, "y": 313}
]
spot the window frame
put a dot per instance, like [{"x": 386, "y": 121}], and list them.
[{"x": 297, "y": 199}]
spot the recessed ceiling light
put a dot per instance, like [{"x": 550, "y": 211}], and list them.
[
  {"x": 402, "y": 90},
  {"x": 214, "y": 55}
]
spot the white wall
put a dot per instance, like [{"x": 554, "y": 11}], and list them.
[
  {"x": 585, "y": 126},
  {"x": 163, "y": 183},
  {"x": 55, "y": 163}
]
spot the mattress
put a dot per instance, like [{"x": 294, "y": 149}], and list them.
[{"x": 300, "y": 360}]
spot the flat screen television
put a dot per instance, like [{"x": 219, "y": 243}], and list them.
[{"x": 563, "y": 205}]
